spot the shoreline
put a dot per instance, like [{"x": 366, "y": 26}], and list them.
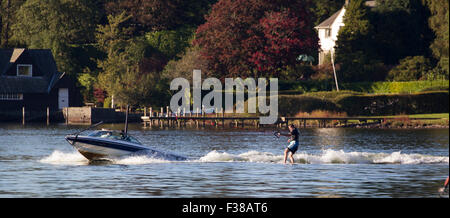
[{"x": 249, "y": 127}]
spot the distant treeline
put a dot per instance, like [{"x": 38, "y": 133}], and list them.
[{"x": 130, "y": 50}]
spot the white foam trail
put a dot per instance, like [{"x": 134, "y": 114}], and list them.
[
  {"x": 137, "y": 160},
  {"x": 61, "y": 158},
  {"x": 328, "y": 156},
  {"x": 75, "y": 158}
]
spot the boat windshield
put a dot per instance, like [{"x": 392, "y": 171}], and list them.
[{"x": 114, "y": 135}]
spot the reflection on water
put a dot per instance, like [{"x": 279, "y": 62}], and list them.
[{"x": 36, "y": 161}]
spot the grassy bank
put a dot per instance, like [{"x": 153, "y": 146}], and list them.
[
  {"x": 360, "y": 104},
  {"x": 303, "y": 87}
]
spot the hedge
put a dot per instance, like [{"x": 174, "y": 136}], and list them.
[
  {"x": 366, "y": 105},
  {"x": 396, "y": 87},
  {"x": 378, "y": 105},
  {"x": 365, "y": 87},
  {"x": 290, "y": 105}
]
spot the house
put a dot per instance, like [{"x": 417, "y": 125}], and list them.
[
  {"x": 29, "y": 78},
  {"x": 328, "y": 31}
]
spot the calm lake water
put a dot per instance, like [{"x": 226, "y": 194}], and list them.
[{"x": 36, "y": 161}]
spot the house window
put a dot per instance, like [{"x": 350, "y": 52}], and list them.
[
  {"x": 24, "y": 70},
  {"x": 327, "y": 33},
  {"x": 11, "y": 96}
]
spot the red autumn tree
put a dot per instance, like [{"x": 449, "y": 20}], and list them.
[{"x": 256, "y": 37}]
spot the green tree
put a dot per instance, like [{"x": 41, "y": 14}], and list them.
[
  {"x": 171, "y": 42},
  {"x": 123, "y": 73},
  {"x": 157, "y": 15},
  {"x": 439, "y": 22},
  {"x": 354, "y": 48},
  {"x": 401, "y": 29},
  {"x": 323, "y": 9},
  {"x": 58, "y": 25},
  {"x": 188, "y": 62},
  {"x": 8, "y": 9},
  {"x": 410, "y": 69}
]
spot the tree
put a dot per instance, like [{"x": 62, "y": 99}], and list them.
[
  {"x": 410, "y": 69},
  {"x": 188, "y": 62},
  {"x": 323, "y": 9},
  {"x": 285, "y": 37},
  {"x": 58, "y": 25},
  {"x": 239, "y": 36},
  {"x": 123, "y": 73},
  {"x": 157, "y": 15},
  {"x": 439, "y": 22},
  {"x": 401, "y": 29},
  {"x": 171, "y": 42},
  {"x": 8, "y": 9},
  {"x": 354, "y": 48}
]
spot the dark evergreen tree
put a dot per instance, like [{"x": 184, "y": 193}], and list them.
[{"x": 354, "y": 47}]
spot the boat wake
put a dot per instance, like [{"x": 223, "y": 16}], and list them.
[
  {"x": 75, "y": 158},
  {"x": 328, "y": 156}
]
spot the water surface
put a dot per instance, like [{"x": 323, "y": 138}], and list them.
[{"x": 36, "y": 161}]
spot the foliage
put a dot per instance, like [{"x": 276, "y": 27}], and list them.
[
  {"x": 254, "y": 37},
  {"x": 354, "y": 48},
  {"x": 157, "y": 15},
  {"x": 401, "y": 30},
  {"x": 410, "y": 69},
  {"x": 357, "y": 104},
  {"x": 439, "y": 22},
  {"x": 57, "y": 25},
  {"x": 190, "y": 60},
  {"x": 323, "y": 9},
  {"x": 396, "y": 87},
  {"x": 99, "y": 95},
  {"x": 372, "y": 105},
  {"x": 318, "y": 86},
  {"x": 124, "y": 73},
  {"x": 297, "y": 72},
  {"x": 8, "y": 10},
  {"x": 87, "y": 82},
  {"x": 290, "y": 105},
  {"x": 170, "y": 42}
]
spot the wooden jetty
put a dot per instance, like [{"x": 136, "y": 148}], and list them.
[{"x": 169, "y": 119}]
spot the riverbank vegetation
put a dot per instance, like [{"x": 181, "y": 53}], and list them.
[{"x": 394, "y": 54}]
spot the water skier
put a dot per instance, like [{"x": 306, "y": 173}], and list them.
[{"x": 293, "y": 143}]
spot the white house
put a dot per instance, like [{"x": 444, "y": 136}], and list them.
[{"x": 328, "y": 31}]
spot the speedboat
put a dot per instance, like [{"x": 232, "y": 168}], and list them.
[{"x": 107, "y": 144}]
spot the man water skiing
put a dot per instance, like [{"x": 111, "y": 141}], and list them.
[{"x": 293, "y": 143}]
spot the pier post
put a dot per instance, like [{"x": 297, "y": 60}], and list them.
[
  {"x": 48, "y": 116},
  {"x": 223, "y": 117},
  {"x": 160, "y": 121},
  {"x": 23, "y": 115},
  {"x": 67, "y": 115},
  {"x": 151, "y": 116},
  {"x": 203, "y": 115},
  {"x": 196, "y": 120},
  {"x": 178, "y": 117}
]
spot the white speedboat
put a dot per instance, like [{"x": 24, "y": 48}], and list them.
[{"x": 107, "y": 144}]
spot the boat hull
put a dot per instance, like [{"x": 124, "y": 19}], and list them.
[{"x": 103, "y": 149}]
